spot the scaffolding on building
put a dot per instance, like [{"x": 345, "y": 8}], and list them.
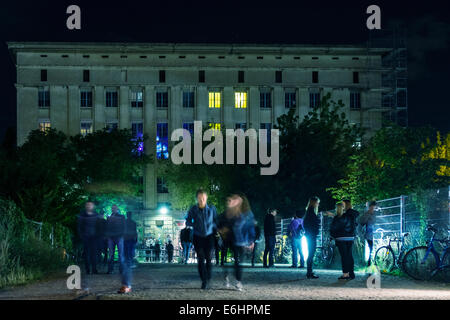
[{"x": 394, "y": 73}]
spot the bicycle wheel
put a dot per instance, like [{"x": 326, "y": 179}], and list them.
[
  {"x": 416, "y": 266},
  {"x": 445, "y": 271},
  {"x": 384, "y": 259}
]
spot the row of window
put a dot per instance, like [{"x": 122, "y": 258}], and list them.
[
  {"x": 202, "y": 77},
  {"x": 214, "y": 99},
  {"x": 162, "y": 132}
]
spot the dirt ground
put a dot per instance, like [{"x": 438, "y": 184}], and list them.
[{"x": 179, "y": 282}]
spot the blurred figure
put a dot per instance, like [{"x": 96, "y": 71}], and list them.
[
  {"x": 169, "y": 250},
  {"x": 103, "y": 241},
  {"x": 186, "y": 235},
  {"x": 257, "y": 241},
  {"x": 295, "y": 231},
  {"x": 157, "y": 251},
  {"x": 311, "y": 225},
  {"x": 238, "y": 228},
  {"x": 130, "y": 240},
  {"x": 269, "y": 237},
  {"x": 115, "y": 231},
  {"x": 88, "y": 225},
  {"x": 368, "y": 220},
  {"x": 203, "y": 219},
  {"x": 217, "y": 248}
]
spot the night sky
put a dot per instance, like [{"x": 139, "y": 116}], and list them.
[{"x": 312, "y": 22}]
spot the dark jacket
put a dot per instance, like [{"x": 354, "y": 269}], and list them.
[
  {"x": 295, "y": 228},
  {"x": 186, "y": 235},
  {"x": 169, "y": 247},
  {"x": 311, "y": 222},
  {"x": 88, "y": 225},
  {"x": 204, "y": 221},
  {"x": 130, "y": 230},
  {"x": 115, "y": 226},
  {"x": 269, "y": 225},
  {"x": 345, "y": 225}
]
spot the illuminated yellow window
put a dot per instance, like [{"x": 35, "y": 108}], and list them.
[
  {"x": 214, "y": 126},
  {"x": 240, "y": 100},
  {"x": 214, "y": 99},
  {"x": 44, "y": 126}
]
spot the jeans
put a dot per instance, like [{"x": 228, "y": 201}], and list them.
[
  {"x": 90, "y": 245},
  {"x": 203, "y": 247},
  {"x": 237, "y": 254},
  {"x": 129, "y": 248},
  {"x": 345, "y": 250},
  {"x": 269, "y": 249},
  {"x": 186, "y": 250},
  {"x": 255, "y": 246},
  {"x": 112, "y": 243},
  {"x": 311, "y": 239},
  {"x": 296, "y": 250},
  {"x": 169, "y": 256},
  {"x": 370, "y": 244}
]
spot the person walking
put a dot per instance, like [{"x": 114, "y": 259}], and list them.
[
  {"x": 342, "y": 229},
  {"x": 130, "y": 240},
  {"x": 238, "y": 228},
  {"x": 311, "y": 225},
  {"x": 88, "y": 227},
  {"x": 269, "y": 237},
  {"x": 115, "y": 231},
  {"x": 202, "y": 217},
  {"x": 295, "y": 231},
  {"x": 368, "y": 220},
  {"x": 169, "y": 250},
  {"x": 186, "y": 236},
  {"x": 257, "y": 241}
]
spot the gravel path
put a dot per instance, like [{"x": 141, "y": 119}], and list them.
[{"x": 163, "y": 281}]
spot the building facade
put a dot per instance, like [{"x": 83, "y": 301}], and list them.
[{"x": 156, "y": 88}]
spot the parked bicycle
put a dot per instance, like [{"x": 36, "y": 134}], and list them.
[
  {"x": 385, "y": 257},
  {"x": 325, "y": 253},
  {"x": 424, "y": 262}
]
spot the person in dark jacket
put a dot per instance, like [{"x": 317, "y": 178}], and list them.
[
  {"x": 257, "y": 240},
  {"x": 269, "y": 237},
  {"x": 88, "y": 225},
  {"x": 157, "y": 251},
  {"x": 103, "y": 241},
  {"x": 115, "y": 231},
  {"x": 202, "y": 217},
  {"x": 186, "y": 242},
  {"x": 130, "y": 239},
  {"x": 169, "y": 250},
  {"x": 368, "y": 220},
  {"x": 238, "y": 228},
  {"x": 295, "y": 231},
  {"x": 311, "y": 225}
]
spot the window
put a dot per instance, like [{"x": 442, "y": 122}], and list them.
[
  {"x": 86, "y": 76},
  {"x": 278, "y": 77},
  {"x": 86, "y": 98},
  {"x": 188, "y": 99},
  {"x": 290, "y": 100},
  {"x": 137, "y": 129},
  {"x": 189, "y": 126},
  {"x": 240, "y": 76},
  {"x": 201, "y": 76},
  {"x": 241, "y": 125},
  {"x": 44, "y": 125},
  {"x": 355, "y": 77},
  {"x": 162, "y": 76},
  {"x": 112, "y": 98},
  {"x": 111, "y": 126},
  {"x": 355, "y": 100},
  {"x": 214, "y": 126},
  {"x": 137, "y": 99},
  {"x": 214, "y": 99},
  {"x": 44, "y": 97},
  {"x": 161, "y": 186},
  {"x": 268, "y": 127},
  {"x": 162, "y": 141},
  {"x": 314, "y": 99},
  {"x": 265, "y": 99},
  {"x": 162, "y": 100},
  {"x": 86, "y": 127},
  {"x": 315, "y": 77},
  {"x": 240, "y": 100},
  {"x": 44, "y": 75}
]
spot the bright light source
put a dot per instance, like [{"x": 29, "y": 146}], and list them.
[
  {"x": 304, "y": 248},
  {"x": 367, "y": 252},
  {"x": 163, "y": 210}
]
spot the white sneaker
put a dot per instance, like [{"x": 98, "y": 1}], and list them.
[
  {"x": 239, "y": 286},
  {"x": 227, "y": 282}
]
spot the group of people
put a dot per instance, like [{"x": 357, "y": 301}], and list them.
[
  {"x": 104, "y": 236},
  {"x": 235, "y": 229},
  {"x": 153, "y": 250}
]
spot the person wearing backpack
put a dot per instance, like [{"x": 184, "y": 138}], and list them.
[
  {"x": 342, "y": 229},
  {"x": 295, "y": 231}
]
